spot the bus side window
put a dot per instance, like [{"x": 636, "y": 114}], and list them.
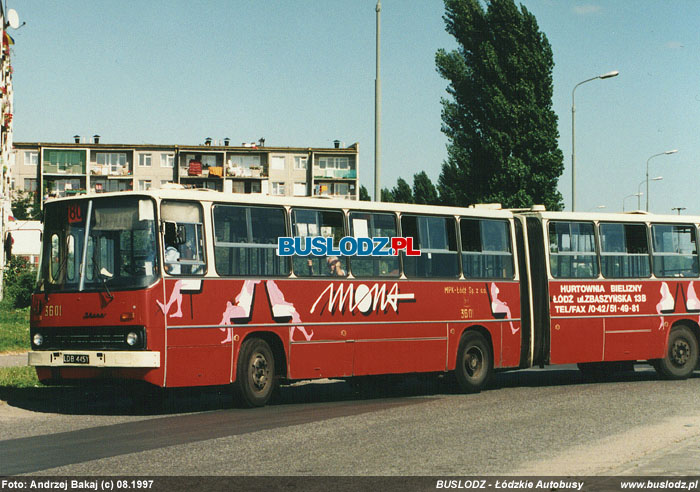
[
  {"x": 675, "y": 250},
  {"x": 371, "y": 224},
  {"x": 314, "y": 223},
  {"x": 624, "y": 250},
  {"x": 183, "y": 238},
  {"x": 245, "y": 240},
  {"x": 436, "y": 239},
  {"x": 572, "y": 250},
  {"x": 486, "y": 250}
]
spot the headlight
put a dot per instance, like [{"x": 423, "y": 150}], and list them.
[
  {"x": 132, "y": 339},
  {"x": 38, "y": 339}
]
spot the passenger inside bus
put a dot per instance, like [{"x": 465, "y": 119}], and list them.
[
  {"x": 172, "y": 256},
  {"x": 171, "y": 253},
  {"x": 334, "y": 267}
]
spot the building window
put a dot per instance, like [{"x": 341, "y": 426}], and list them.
[
  {"x": 299, "y": 189},
  {"x": 277, "y": 188},
  {"x": 114, "y": 162},
  {"x": 31, "y": 158},
  {"x": 144, "y": 184},
  {"x": 277, "y": 163},
  {"x": 300, "y": 162},
  {"x": 342, "y": 189},
  {"x": 333, "y": 163},
  {"x": 30, "y": 184},
  {"x": 63, "y": 187},
  {"x": 64, "y": 161},
  {"x": 208, "y": 160},
  {"x": 167, "y": 160},
  {"x": 144, "y": 160},
  {"x": 322, "y": 189}
]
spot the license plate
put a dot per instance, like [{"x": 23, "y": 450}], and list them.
[{"x": 76, "y": 359}]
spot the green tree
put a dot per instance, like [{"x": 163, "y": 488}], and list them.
[
  {"x": 424, "y": 191},
  {"x": 25, "y": 206},
  {"x": 19, "y": 278},
  {"x": 387, "y": 195},
  {"x": 498, "y": 117},
  {"x": 364, "y": 194},
  {"x": 402, "y": 192}
]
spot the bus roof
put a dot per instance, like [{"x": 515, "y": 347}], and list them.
[
  {"x": 482, "y": 210},
  {"x": 202, "y": 195},
  {"x": 638, "y": 217}
]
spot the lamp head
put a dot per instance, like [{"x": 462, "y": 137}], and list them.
[{"x": 608, "y": 75}]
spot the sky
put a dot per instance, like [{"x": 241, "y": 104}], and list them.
[{"x": 301, "y": 74}]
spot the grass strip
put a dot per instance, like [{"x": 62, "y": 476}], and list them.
[
  {"x": 18, "y": 377},
  {"x": 14, "y": 330}
]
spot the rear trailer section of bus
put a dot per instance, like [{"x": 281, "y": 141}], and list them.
[
  {"x": 621, "y": 289},
  {"x": 99, "y": 269}
]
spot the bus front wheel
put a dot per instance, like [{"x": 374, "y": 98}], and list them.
[
  {"x": 681, "y": 354},
  {"x": 474, "y": 362},
  {"x": 255, "y": 374}
]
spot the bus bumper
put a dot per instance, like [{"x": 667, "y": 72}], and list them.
[{"x": 93, "y": 358}]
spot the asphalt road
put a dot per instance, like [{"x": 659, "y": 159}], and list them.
[{"x": 535, "y": 422}]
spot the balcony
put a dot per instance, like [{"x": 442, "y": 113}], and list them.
[
  {"x": 110, "y": 171},
  {"x": 334, "y": 173},
  {"x": 71, "y": 169},
  {"x": 191, "y": 171}
]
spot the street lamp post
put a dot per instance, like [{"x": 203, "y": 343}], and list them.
[
  {"x": 629, "y": 196},
  {"x": 650, "y": 158},
  {"x": 608, "y": 75},
  {"x": 639, "y": 189},
  {"x": 377, "y": 114}
]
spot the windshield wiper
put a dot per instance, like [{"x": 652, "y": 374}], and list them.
[{"x": 105, "y": 275}]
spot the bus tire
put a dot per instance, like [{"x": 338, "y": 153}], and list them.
[
  {"x": 681, "y": 354},
  {"x": 474, "y": 362},
  {"x": 255, "y": 374}
]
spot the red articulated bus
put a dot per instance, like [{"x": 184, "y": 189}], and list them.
[{"x": 184, "y": 288}]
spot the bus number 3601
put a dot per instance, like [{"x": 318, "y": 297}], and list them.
[{"x": 53, "y": 310}]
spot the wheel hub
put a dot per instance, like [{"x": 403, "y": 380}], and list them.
[
  {"x": 680, "y": 352},
  {"x": 259, "y": 371},
  {"x": 473, "y": 361}
]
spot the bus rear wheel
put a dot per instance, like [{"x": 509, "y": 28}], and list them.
[
  {"x": 681, "y": 354},
  {"x": 474, "y": 362},
  {"x": 255, "y": 374}
]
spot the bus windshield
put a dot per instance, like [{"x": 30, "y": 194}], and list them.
[{"x": 120, "y": 252}]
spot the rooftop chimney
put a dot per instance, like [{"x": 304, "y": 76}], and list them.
[
  {"x": 96, "y": 138},
  {"x": 227, "y": 141},
  {"x": 207, "y": 141},
  {"x": 76, "y": 138},
  {"x": 336, "y": 143}
]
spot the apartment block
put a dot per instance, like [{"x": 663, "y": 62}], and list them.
[{"x": 62, "y": 169}]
